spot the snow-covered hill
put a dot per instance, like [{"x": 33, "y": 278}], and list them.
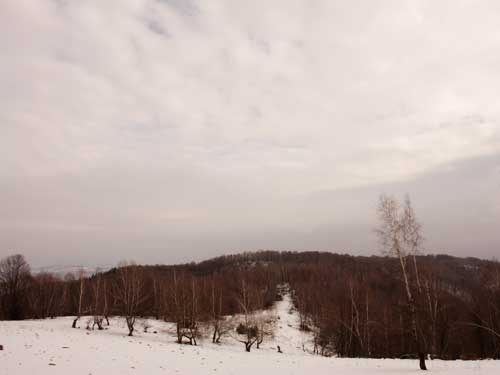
[{"x": 51, "y": 347}]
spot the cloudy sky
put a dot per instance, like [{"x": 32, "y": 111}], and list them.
[{"x": 175, "y": 130}]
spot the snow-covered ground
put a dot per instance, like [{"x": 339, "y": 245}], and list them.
[{"x": 40, "y": 347}]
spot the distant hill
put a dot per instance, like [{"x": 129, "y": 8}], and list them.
[{"x": 61, "y": 271}]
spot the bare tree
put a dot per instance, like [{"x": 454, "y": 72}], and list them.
[
  {"x": 164, "y": 298},
  {"x": 157, "y": 301},
  {"x": 433, "y": 307},
  {"x": 400, "y": 234},
  {"x": 264, "y": 324},
  {"x": 129, "y": 293},
  {"x": 106, "y": 309},
  {"x": 190, "y": 326},
  {"x": 81, "y": 289},
  {"x": 183, "y": 308},
  {"x": 45, "y": 295},
  {"x": 98, "y": 304},
  {"x": 14, "y": 277},
  {"x": 247, "y": 330},
  {"x": 300, "y": 300},
  {"x": 485, "y": 311},
  {"x": 177, "y": 307},
  {"x": 216, "y": 319}
]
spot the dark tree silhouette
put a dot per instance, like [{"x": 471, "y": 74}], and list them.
[{"x": 14, "y": 279}]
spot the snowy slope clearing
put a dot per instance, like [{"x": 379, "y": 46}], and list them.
[{"x": 40, "y": 347}]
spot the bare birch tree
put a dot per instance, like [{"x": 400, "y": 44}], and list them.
[
  {"x": 80, "y": 297},
  {"x": 400, "y": 235}
]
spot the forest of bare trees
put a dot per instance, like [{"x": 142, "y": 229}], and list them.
[{"x": 353, "y": 306}]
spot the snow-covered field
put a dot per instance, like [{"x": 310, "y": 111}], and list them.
[{"x": 42, "y": 347}]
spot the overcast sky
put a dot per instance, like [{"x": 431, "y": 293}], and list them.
[{"x": 176, "y": 130}]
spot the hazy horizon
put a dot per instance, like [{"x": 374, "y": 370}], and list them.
[
  {"x": 165, "y": 131},
  {"x": 60, "y": 269}
]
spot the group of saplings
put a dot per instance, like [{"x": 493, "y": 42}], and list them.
[
  {"x": 176, "y": 300},
  {"x": 254, "y": 326},
  {"x": 98, "y": 307},
  {"x": 254, "y": 331}
]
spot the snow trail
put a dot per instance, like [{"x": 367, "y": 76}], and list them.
[{"x": 287, "y": 334}]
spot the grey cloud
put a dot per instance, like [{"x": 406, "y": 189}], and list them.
[{"x": 174, "y": 128}]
